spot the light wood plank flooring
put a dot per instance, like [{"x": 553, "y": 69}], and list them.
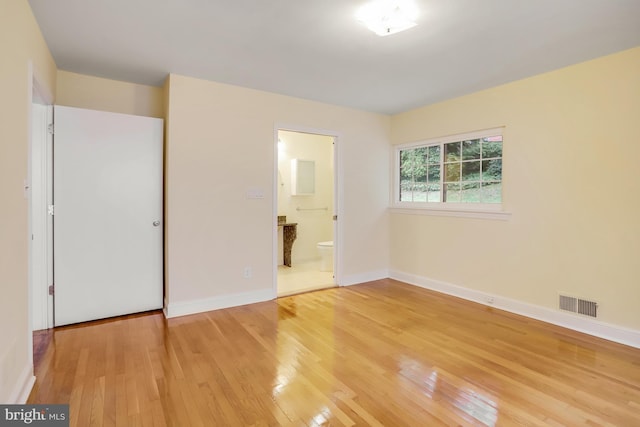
[{"x": 378, "y": 354}]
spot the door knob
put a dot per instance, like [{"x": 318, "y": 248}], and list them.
[{"x": 156, "y": 223}]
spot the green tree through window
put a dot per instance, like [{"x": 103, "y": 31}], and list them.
[{"x": 465, "y": 171}]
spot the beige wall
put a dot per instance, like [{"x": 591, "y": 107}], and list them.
[
  {"x": 95, "y": 93},
  {"x": 220, "y": 143},
  {"x": 20, "y": 44},
  {"x": 571, "y": 184},
  {"x": 313, "y": 225},
  {"x": 571, "y": 181}
]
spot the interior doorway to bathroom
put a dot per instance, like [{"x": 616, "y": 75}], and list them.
[{"x": 306, "y": 208}]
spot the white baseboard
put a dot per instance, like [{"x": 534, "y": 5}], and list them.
[
  {"x": 355, "y": 279},
  {"x": 22, "y": 389},
  {"x": 183, "y": 308},
  {"x": 593, "y": 327}
]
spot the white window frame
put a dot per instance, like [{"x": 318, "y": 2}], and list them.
[{"x": 473, "y": 210}]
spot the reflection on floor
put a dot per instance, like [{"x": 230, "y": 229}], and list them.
[{"x": 303, "y": 277}]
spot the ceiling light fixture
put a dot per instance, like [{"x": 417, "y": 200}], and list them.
[{"x": 385, "y": 17}]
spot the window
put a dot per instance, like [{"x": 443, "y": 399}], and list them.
[{"x": 457, "y": 171}]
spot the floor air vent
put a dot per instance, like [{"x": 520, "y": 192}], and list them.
[{"x": 577, "y": 305}]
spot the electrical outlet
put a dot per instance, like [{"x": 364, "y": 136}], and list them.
[
  {"x": 247, "y": 273},
  {"x": 490, "y": 300}
]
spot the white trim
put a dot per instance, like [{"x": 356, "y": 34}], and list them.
[
  {"x": 40, "y": 253},
  {"x": 41, "y": 240},
  {"x": 454, "y": 137},
  {"x": 356, "y": 279},
  {"x": 22, "y": 389},
  {"x": 459, "y": 213},
  {"x": 49, "y": 220},
  {"x": 165, "y": 307},
  {"x": 274, "y": 226},
  {"x": 303, "y": 129},
  {"x": 338, "y": 203},
  {"x": 338, "y": 197},
  {"x": 577, "y": 323},
  {"x": 185, "y": 308},
  {"x": 36, "y": 91},
  {"x": 468, "y": 210}
]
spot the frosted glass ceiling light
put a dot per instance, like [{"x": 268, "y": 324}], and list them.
[{"x": 385, "y": 17}]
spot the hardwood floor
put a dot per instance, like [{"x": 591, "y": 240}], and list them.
[{"x": 380, "y": 354}]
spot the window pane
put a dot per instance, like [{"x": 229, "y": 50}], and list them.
[
  {"x": 492, "y": 170},
  {"x": 433, "y": 194},
  {"x": 491, "y": 192},
  {"x": 471, "y": 171},
  {"x": 405, "y": 164},
  {"x": 492, "y": 147},
  {"x": 470, "y": 193},
  {"x": 433, "y": 155},
  {"x": 420, "y": 196},
  {"x": 434, "y": 173},
  {"x": 421, "y": 155},
  {"x": 471, "y": 149},
  {"x": 452, "y": 192},
  {"x": 412, "y": 162},
  {"x": 452, "y": 152},
  {"x": 420, "y": 186},
  {"x": 465, "y": 171},
  {"x": 452, "y": 172},
  {"x": 406, "y": 191}
]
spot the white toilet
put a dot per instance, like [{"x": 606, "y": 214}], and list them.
[{"x": 325, "y": 249}]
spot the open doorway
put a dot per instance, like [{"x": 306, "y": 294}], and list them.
[
  {"x": 306, "y": 206},
  {"x": 38, "y": 189},
  {"x": 40, "y": 193}
]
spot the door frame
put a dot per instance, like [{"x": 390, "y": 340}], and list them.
[
  {"x": 39, "y": 184},
  {"x": 337, "y": 199}
]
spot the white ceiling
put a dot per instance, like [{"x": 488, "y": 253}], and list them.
[{"x": 315, "y": 49}]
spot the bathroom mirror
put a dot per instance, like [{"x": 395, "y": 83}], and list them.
[{"x": 303, "y": 177}]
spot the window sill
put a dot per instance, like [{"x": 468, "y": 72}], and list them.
[{"x": 459, "y": 212}]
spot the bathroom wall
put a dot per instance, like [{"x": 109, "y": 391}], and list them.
[{"x": 313, "y": 225}]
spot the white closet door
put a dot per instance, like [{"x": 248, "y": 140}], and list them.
[{"x": 108, "y": 214}]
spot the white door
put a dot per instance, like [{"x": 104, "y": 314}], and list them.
[{"x": 108, "y": 214}]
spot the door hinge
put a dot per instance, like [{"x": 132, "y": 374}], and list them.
[
  {"x": 51, "y": 210},
  {"x": 51, "y": 289},
  {"x": 50, "y": 129},
  {"x": 335, "y": 217}
]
